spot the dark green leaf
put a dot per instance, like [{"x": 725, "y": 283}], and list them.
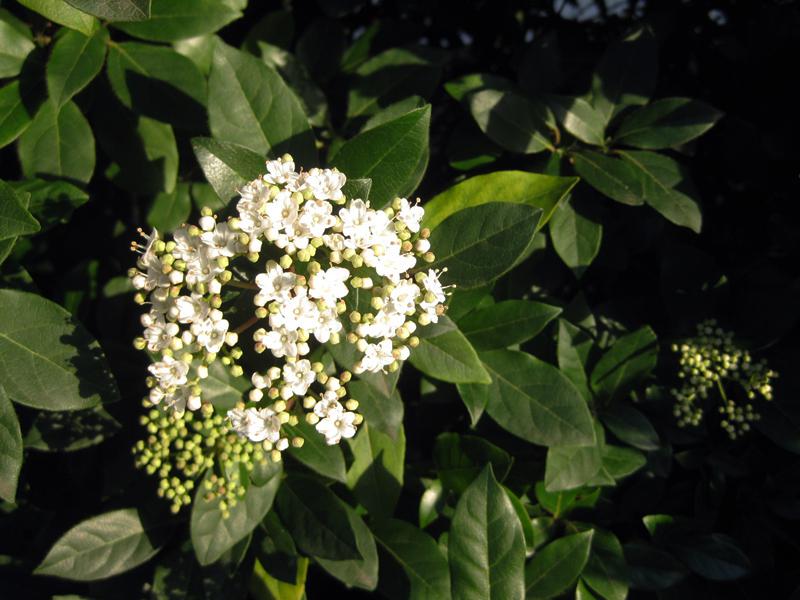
[
  {"x": 573, "y": 349},
  {"x": 631, "y": 426},
  {"x": 650, "y": 568},
  {"x": 250, "y": 105},
  {"x": 100, "y": 547},
  {"x": 15, "y": 45},
  {"x": 119, "y": 10},
  {"x": 618, "y": 463},
  {"x": 213, "y": 534},
  {"x": 468, "y": 148},
  {"x": 376, "y": 474},
  {"x": 172, "y": 20},
  {"x": 534, "y": 401},
  {"x": 512, "y": 121},
  {"x": 67, "y": 431},
  {"x": 359, "y": 572},
  {"x": 58, "y": 142},
  {"x": 15, "y": 220},
  {"x": 524, "y": 519},
  {"x": 384, "y": 413},
  {"x": 714, "y": 556},
  {"x": 576, "y": 238},
  {"x": 481, "y": 243},
  {"x": 227, "y": 167},
  {"x": 14, "y": 115},
  {"x": 394, "y": 111},
  {"x": 579, "y": 118},
  {"x": 667, "y": 122},
  {"x": 444, "y": 353},
  {"x": 627, "y": 74},
  {"x": 10, "y": 448},
  {"x": 74, "y": 62},
  {"x": 317, "y": 519},
  {"x": 507, "y": 323},
  {"x": 418, "y": 555},
  {"x": 170, "y": 209},
  {"x": 157, "y": 82},
  {"x": 390, "y": 154},
  {"x": 49, "y": 360},
  {"x": 320, "y": 48},
  {"x": 459, "y": 459},
  {"x": 52, "y": 202},
  {"x": 276, "y": 27},
  {"x": 221, "y": 388},
  {"x": 357, "y": 188},
  {"x": 612, "y": 177},
  {"x": 486, "y": 546},
  {"x": 462, "y": 87},
  {"x": 316, "y": 454},
  {"x": 675, "y": 206},
  {"x": 626, "y": 364},
  {"x": 605, "y": 571},
  {"x": 570, "y": 467},
  {"x": 475, "y": 397},
  {"x": 532, "y": 189},
  {"x": 62, "y": 13},
  {"x": 555, "y": 568},
  {"x": 346, "y": 355}
]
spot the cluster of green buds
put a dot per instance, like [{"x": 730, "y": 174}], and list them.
[{"x": 713, "y": 366}]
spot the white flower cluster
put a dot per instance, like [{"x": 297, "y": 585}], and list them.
[{"x": 317, "y": 268}]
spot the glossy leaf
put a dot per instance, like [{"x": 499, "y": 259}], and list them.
[
  {"x": 444, "y": 353},
  {"x": 576, "y": 238},
  {"x": 578, "y": 117},
  {"x": 486, "y": 546},
  {"x": 610, "y": 176},
  {"x": 74, "y": 62},
  {"x": 572, "y": 350},
  {"x": 316, "y": 454},
  {"x": 52, "y": 202},
  {"x": 212, "y": 534},
  {"x": 250, "y": 105},
  {"x": 631, "y": 426},
  {"x": 221, "y": 388},
  {"x": 49, "y": 360},
  {"x": 512, "y": 121},
  {"x": 666, "y": 123},
  {"x": 14, "y": 115},
  {"x": 62, "y": 13},
  {"x": 227, "y": 166},
  {"x": 58, "y": 142},
  {"x": 570, "y": 467},
  {"x": 534, "y": 401},
  {"x": 356, "y": 572},
  {"x": 376, "y": 474},
  {"x": 15, "y": 219},
  {"x": 481, "y": 243},
  {"x": 170, "y": 209},
  {"x": 554, "y": 569},
  {"x": 100, "y": 547},
  {"x": 15, "y": 45},
  {"x": 459, "y": 459},
  {"x": 120, "y": 10},
  {"x": 172, "y": 20},
  {"x": 627, "y": 363},
  {"x": 605, "y": 572},
  {"x": 506, "y": 323},
  {"x": 10, "y": 448},
  {"x": 70, "y": 430},
  {"x": 393, "y": 155}
]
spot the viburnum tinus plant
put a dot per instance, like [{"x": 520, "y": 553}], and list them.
[{"x": 307, "y": 260}]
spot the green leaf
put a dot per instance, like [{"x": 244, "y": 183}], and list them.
[
  {"x": 74, "y": 62},
  {"x": 49, "y": 360},
  {"x": 554, "y": 569},
  {"x": 170, "y": 209},
  {"x": 384, "y": 413},
  {"x": 514, "y": 122},
  {"x": 157, "y": 82},
  {"x": 7, "y": 245},
  {"x": 275, "y": 27},
  {"x": 418, "y": 555},
  {"x": 612, "y": 177},
  {"x": 14, "y": 115},
  {"x": 359, "y": 572},
  {"x": 393, "y": 155},
  {"x": 714, "y": 556},
  {"x": 250, "y": 105},
  {"x": 120, "y": 10},
  {"x": 666, "y": 123},
  {"x": 376, "y": 474},
  {"x": 605, "y": 572},
  {"x": 462, "y": 87},
  {"x": 317, "y": 519},
  {"x": 62, "y": 13},
  {"x": 481, "y": 243},
  {"x": 10, "y": 448},
  {"x": 15, "y": 220},
  {"x": 346, "y": 355},
  {"x": 631, "y": 426},
  {"x": 58, "y": 142},
  {"x": 70, "y": 430},
  {"x": 316, "y": 454},
  {"x": 532, "y": 189},
  {"x": 172, "y": 20},
  {"x": 618, "y": 463},
  {"x": 391, "y": 76},
  {"x": 506, "y": 323},
  {"x": 652, "y": 569},
  {"x": 534, "y": 401},
  {"x": 576, "y": 238},
  {"x": 524, "y": 519},
  {"x": 227, "y": 166},
  {"x": 357, "y": 188},
  {"x": 444, "y": 353},
  {"x": 570, "y": 467},
  {"x": 459, "y": 459},
  {"x": 15, "y": 45},
  {"x": 486, "y": 546},
  {"x": 475, "y": 398},
  {"x": 572, "y": 350},
  {"x": 212, "y": 534},
  {"x": 468, "y": 148},
  {"x": 626, "y": 364},
  {"x": 627, "y": 74},
  {"x": 675, "y": 206},
  {"x": 101, "y": 547},
  {"x": 52, "y": 202},
  {"x": 394, "y": 111},
  {"x": 578, "y": 117}
]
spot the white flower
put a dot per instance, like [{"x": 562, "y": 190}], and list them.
[
  {"x": 274, "y": 284},
  {"x": 252, "y": 210},
  {"x": 298, "y": 376},
  {"x": 283, "y": 210},
  {"x": 189, "y": 309},
  {"x": 328, "y": 405},
  {"x": 355, "y": 224},
  {"x": 384, "y": 325},
  {"x": 377, "y": 356},
  {"x": 326, "y": 184},
  {"x": 327, "y": 323},
  {"x": 160, "y": 300},
  {"x": 169, "y": 372},
  {"x": 296, "y": 313},
  {"x": 281, "y": 342},
  {"x": 393, "y": 264},
  {"x": 336, "y": 427},
  {"x": 404, "y": 296},
  {"x": 256, "y": 424},
  {"x": 432, "y": 284},
  {"x": 329, "y": 285},
  {"x": 222, "y": 241},
  {"x": 280, "y": 171},
  {"x": 159, "y": 333},
  {"x": 211, "y": 333},
  {"x": 410, "y": 215},
  {"x": 316, "y": 217},
  {"x": 181, "y": 399}
]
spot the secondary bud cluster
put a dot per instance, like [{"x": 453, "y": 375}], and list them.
[
  {"x": 297, "y": 266},
  {"x": 713, "y": 366}
]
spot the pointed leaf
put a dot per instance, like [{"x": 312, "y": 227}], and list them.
[
  {"x": 444, "y": 353},
  {"x": 14, "y": 115},
  {"x": 74, "y": 62},
  {"x": 576, "y": 238},
  {"x": 227, "y": 167},
  {"x": 512, "y": 121},
  {"x": 666, "y": 123},
  {"x": 15, "y": 220},
  {"x": 172, "y": 20},
  {"x": 318, "y": 456},
  {"x": 10, "y": 448},
  {"x": 120, "y": 10},
  {"x": 62, "y": 13},
  {"x": 356, "y": 572},
  {"x": 507, "y": 323},
  {"x": 376, "y": 474},
  {"x": 555, "y": 568},
  {"x": 626, "y": 364},
  {"x": 610, "y": 176}
]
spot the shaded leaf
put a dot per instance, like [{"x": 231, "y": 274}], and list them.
[
  {"x": 376, "y": 474},
  {"x": 172, "y": 20},
  {"x": 554, "y": 569},
  {"x": 10, "y": 448},
  {"x": 627, "y": 363},
  {"x": 506, "y": 323},
  {"x": 170, "y": 209},
  {"x": 459, "y": 459},
  {"x": 667, "y": 122},
  {"x": 62, "y": 13},
  {"x": 74, "y": 62},
  {"x": 14, "y": 115},
  {"x": 15, "y": 219},
  {"x": 610, "y": 176},
  {"x": 576, "y": 238},
  {"x": 444, "y": 353},
  {"x": 67, "y": 431},
  {"x": 514, "y": 122},
  {"x": 316, "y": 454}
]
